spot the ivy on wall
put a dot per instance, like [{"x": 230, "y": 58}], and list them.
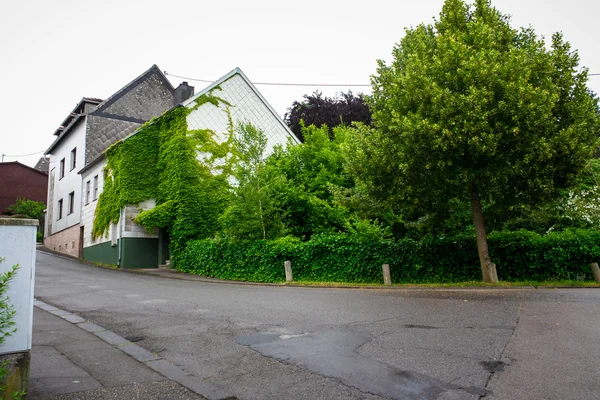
[{"x": 161, "y": 161}]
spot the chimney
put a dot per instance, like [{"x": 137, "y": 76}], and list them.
[{"x": 182, "y": 93}]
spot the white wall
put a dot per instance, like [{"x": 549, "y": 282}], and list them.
[
  {"x": 17, "y": 246},
  {"x": 247, "y": 106},
  {"x": 71, "y": 182},
  {"x": 88, "y": 210},
  {"x": 130, "y": 228}
]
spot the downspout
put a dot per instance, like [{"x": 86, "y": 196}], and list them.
[{"x": 120, "y": 237}]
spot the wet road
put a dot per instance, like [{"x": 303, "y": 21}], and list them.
[{"x": 264, "y": 342}]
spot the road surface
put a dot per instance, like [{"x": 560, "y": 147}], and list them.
[{"x": 268, "y": 342}]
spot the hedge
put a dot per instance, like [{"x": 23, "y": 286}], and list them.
[{"x": 519, "y": 256}]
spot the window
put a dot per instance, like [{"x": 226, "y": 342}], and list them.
[
  {"x": 87, "y": 192},
  {"x": 95, "y": 188},
  {"x": 62, "y": 169},
  {"x": 73, "y": 158},
  {"x": 71, "y": 203},
  {"x": 60, "y": 202}
]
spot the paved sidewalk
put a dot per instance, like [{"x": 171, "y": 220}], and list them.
[{"x": 69, "y": 361}]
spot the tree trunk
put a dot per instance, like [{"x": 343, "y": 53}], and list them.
[{"x": 488, "y": 268}]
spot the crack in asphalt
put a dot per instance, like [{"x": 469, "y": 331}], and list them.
[{"x": 499, "y": 366}]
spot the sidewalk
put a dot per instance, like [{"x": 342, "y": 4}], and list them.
[{"x": 68, "y": 361}]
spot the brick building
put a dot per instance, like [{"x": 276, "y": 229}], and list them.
[{"x": 18, "y": 181}]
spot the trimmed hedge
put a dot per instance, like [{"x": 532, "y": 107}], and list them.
[{"x": 519, "y": 256}]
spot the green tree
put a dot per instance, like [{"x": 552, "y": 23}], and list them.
[
  {"x": 253, "y": 212},
  {"x": 309, "y": 171},
  {"x": 475, "y": 110}
]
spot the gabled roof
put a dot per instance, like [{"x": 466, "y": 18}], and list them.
[
  {"x": 23, "y": 166},
  {"x": 101, "y": 109},
  {"x": 79, "y": 109},
  {"x": 71, "y": 121},
  {"x": 43, "y": 164},
  {"x": 231, "y": 74}
]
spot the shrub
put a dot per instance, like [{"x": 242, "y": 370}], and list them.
[{"x": 352, "y": 258}]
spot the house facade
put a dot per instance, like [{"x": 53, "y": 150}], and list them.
[
  {"x": 92, "y": 127},
  {"x": 66, "y": 156},
  {"x": 131, "y": 246},
  {"x": 18, "y": 181}
]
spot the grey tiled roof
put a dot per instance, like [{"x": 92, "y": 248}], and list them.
[
  {"x": 43, "y": 164},
  {"x": 84, "y": 106},
  {"x": 144, "y": 98},
  {"x": 103, "y": 132}
]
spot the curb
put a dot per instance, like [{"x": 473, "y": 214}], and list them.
[{"x": 151, "y": 360}]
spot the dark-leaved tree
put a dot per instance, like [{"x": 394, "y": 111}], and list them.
[{"x": 317, "y": 110}]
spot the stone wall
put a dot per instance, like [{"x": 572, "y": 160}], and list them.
[
  {"x": 65, "y": 241},
  {"x": 17, "y": 376}
]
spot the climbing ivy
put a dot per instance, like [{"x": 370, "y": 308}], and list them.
[{"x": 186, "y": 171}]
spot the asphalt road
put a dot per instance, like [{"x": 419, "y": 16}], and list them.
[{"x": 265, "y": 342}]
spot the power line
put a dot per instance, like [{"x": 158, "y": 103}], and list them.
[
  {"x": 22, "y": 155},
  {"x": 274, "y": 83},
  {"x": 290, "y": 84}
]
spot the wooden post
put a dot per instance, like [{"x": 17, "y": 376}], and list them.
[
  {"x": 387, "y": 279},
  {"x": 288, "y": 271},
  {"x": 595, "y": 271}
]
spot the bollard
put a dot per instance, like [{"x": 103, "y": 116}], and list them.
[
  {"x": 288, "y": 271},
  {"x": 595, "y": 271},
  {"x": 387, "y": 279}
]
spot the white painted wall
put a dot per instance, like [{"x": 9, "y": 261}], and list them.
[
  {"x": 71, "y": 182},
  {"x": 17, "y": 246},
  {"x": 247, "y": 106},
  {"x": 130, "y": 228},
  {"x": 88, "y": 210}
]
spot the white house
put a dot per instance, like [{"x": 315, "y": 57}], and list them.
[
  {"x": 66, "y": 158},
  {"x": 129, "y": 245},
  {"x": 92, "y": 127}
]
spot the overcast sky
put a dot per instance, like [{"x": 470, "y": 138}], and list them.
[{"x": 55, "y": 52}]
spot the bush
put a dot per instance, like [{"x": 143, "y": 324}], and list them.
[
  {"x": 520, "y": 256},
  {"x": 25, "y": 208}
]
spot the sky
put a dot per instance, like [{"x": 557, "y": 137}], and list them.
[{"x": 53, "y": 53}]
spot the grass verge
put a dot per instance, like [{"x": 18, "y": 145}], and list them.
[{"x": 501, "y": 284}]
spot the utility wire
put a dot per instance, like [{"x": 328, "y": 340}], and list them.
[
  {"x": 290, "y": 84},
  {"x": 273, "y": 83},
  {"x": 23, "y": 155}
]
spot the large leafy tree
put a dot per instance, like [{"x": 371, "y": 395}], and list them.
[
  {"x": 309, "y": 170},
  {"x": 318, "y": 110},
  {"x": 473, "y": 109}
]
